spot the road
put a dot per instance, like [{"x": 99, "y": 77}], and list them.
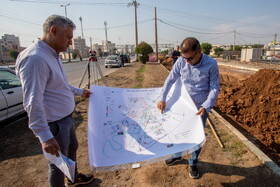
[{"x": 75, "y": 70}]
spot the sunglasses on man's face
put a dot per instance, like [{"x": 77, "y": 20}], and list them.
[{"x": 191, "y": 58}]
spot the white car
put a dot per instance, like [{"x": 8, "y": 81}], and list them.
[
  {"x": 113, "y": 60},
  {"x": 10, "y": 94}
]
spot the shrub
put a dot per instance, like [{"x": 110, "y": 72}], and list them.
[
  {"x": 14, "y": 54},
  {"x": 145, "y": 49}
]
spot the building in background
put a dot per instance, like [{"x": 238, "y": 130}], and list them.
[
  {"x": 251, "y": 54},
  {"x": 125, "y": 49},
  {"x": 108, "y": 47},
  {"x": 273, "y": 50},
  {"x": 163, "y": 47},
  {"x": 79, "y": 45},
  {"x": 8, "y": 42}
]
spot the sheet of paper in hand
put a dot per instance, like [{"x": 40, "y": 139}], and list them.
[
  {"x": 65, "y": 164},
  {"x": 125, "y": 126}
]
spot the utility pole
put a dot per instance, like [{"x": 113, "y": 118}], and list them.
[
  {"x": 90, "y": 40},
  {"x": 105, "y": 23},
  {"x": 274, "y": 42},
  {"x": 135, "y": 4},
  {"x": 65, "y": 9},
  {"x": 156, "y": 36},
  {"x": 234, "y": 36},
  {"x": 258, "y": 52},
  {"x": 81, "y": 20},
  {"x": 274, "y": 45}
]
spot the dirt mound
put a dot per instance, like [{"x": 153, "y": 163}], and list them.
[
  {"x": 167, "y": 62},
  {"x": 255, "y": 104}
]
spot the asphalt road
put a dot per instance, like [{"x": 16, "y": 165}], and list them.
[{"x": 75, "y": 71}]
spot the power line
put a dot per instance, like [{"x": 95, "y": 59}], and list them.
[
  {"x": 17, "y": 19},
  {"x": 211, "y": 39},
  {"x": 242, "y": 39},
  {"x": 255, "y": 36},
  {"x": 187, "y": 26},
  {"x": 197, "y": 32},
  {"x": 120, "y": 26},
  {"x": 204, "y": 18},
  {"x": 72, "y": 2}
]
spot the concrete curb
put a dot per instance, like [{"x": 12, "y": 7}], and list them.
[
  {"x": 238, "y": 67},
  {"x": 265, "y": 159}
]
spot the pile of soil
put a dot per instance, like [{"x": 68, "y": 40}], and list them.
[
  {"x": 255, "y": 104},
  {"x": 166, "y": 62}
]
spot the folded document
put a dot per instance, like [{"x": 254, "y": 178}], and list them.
[{"x": 66, "y": 165}]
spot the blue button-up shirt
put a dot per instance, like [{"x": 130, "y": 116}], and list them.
[
  {"x": 47, "y": 96},
  {"x": 202, "y": 81}
]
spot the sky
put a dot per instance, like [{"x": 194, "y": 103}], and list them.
[{"x": 213, "y": 21}]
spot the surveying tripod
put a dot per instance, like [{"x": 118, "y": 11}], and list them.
[{"x": 96, "y": 70}]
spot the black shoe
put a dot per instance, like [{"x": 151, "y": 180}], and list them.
[
  {"x": 194, "y": 172},
  {"x": 80, "y": 179},
  {"x": 172, "y": 161}
]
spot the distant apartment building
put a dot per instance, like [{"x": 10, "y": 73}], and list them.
[
  {"x": 79, "y": 44},
  {"x": 125, "y": 49},
  {"x": 163, "y": 47},
  {"x": 8, "y": 42},
  {"x": 273, "y": 49},
  {"x": 108, "y": 47}
]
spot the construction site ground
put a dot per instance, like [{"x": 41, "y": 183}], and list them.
[{"x": 22, "y": 162}]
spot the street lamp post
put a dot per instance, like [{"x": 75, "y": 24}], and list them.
[
  {"x": 65, "y": 9},
  {"x": 107, "y": 47}
]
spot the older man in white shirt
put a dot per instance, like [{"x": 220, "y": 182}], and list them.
[{"x": 48, "y": 98}]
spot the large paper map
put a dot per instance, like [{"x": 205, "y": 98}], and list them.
[{"x": 125, "y": 126}]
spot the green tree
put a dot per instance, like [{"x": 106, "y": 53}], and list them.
[
  {"x": 14, "y": 54},
  {"x": 165, "y": 52},
  {"x": 74, "y": 55},
  {"x": 218, "y": 51},
  {"x": 145, "y": 49},
  {"x": 236, "y": 48},
  {"x": 206, "y": 47}
]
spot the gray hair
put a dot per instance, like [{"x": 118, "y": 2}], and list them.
[{"x": 58, "y": 21}]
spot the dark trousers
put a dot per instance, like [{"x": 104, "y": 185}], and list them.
[{"x": 64, "y": 132}]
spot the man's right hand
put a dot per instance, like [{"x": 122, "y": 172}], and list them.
[
  {"x": 51, "y": 146},
  {"x": 161, "y": 105}
]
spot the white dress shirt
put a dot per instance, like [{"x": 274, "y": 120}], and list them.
[{"x": 47, "y": 96}]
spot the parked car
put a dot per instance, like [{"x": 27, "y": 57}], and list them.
[
  {"x": 10, "y": 94},
  {"x": 112, "y": 60}
]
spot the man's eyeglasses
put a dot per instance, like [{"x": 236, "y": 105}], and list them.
[{"x": 191, "y": 58}]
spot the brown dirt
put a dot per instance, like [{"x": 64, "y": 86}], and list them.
[
  {"x": 254, "y": 103},
  {"x": 22, "y": 162}
]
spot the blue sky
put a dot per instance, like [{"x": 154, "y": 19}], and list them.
[{"x": 212, "y": 21}]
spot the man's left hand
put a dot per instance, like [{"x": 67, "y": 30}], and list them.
[
  {"x": 201, "y": 111},
  {"x": 86, "y": 93}
]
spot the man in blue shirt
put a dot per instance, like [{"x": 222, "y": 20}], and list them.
[
  {"x": 48, "y": 98},
  {"x": 200, "y": 75}
]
